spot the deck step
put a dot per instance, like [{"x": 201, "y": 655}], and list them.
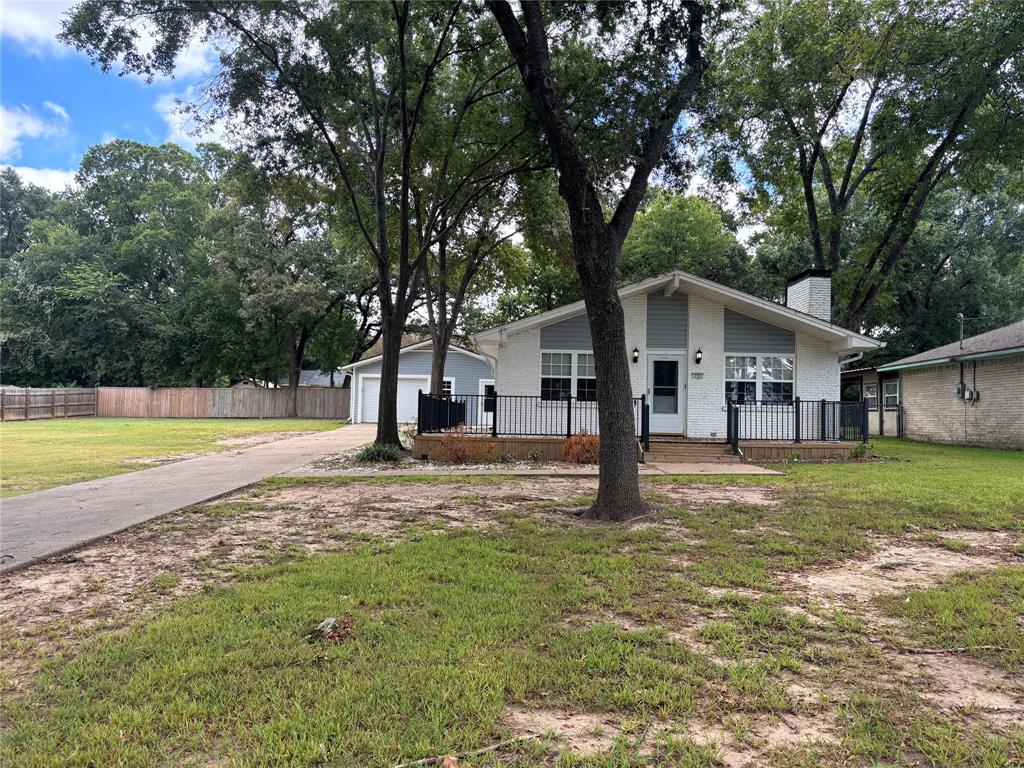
[{"x": 663, "y": 458}]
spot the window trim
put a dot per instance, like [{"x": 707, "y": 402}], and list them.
[
  {"x": 759, "y": 376},
  {"x": 448, "y": 380},
  {"x": 885, "y": 395},
  {"x": 867, "y": 399},
  {"x": 574, "y": 377}
]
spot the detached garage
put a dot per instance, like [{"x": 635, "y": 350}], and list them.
[{"x": 465, "y": 373}]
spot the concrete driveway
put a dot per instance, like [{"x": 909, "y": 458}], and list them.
[{"x": 38, "y": 525}]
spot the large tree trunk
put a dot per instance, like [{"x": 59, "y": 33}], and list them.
[
  {"x": 387, "y": 407},
  {"x": 440, "y": 357},
  {"x": 618, "y": 491},
  {"x": 295, "y": 351}
]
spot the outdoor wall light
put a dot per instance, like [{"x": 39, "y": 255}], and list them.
[
  {"x": 636, "y": 355},
  {"x": 698, "y": 357}
]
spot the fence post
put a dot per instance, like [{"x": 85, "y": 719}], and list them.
[
  {"x": 3, "y": 414},
  {"x": 568, "y": 418},
  {"x": 864, "y": 420},
  {"x": 645, "y": 422},
  {"x": 419, "y": 411},
  {"x": 824, "y": 405},
  {"x": 494, "y": 415},
  {"x": 796, "y": 419},
  {"x": 28, "y": 399}
]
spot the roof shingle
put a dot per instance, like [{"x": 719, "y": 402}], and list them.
[{"x": 1008, "y": 337}]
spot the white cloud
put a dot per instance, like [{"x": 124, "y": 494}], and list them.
[
  {"x": 20, "y": 122},
  {"x": 34, "y": 24},
  {"x": 53, "y": 179},
  {"x": 58, "y": 110}
]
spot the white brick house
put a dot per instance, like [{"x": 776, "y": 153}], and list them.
[{"x": 692, "y": 343}]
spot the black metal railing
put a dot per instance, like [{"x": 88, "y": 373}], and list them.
[
  {"x": 796, "y": 421},
  {"x": 519, "y": 416}
]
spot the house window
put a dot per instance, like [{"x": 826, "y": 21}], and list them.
[
  {"x": 555, "y": 375},
  {"x": 891, "y": 393},
  {"x": 740, "y": 378},
  {"x": 871, "y": 396},
  {"x": 759, "y": 377},
  {"x": 777, "y": 379},
  {"x": 586, "y": 377},
  {"x": 447, "y": 386}
]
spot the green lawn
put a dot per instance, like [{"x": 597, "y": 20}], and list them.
[
  {"x": 41, "y": 454},
  {"x": 445, "y": 629}
]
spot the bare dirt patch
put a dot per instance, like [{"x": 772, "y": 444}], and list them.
[
  {"x": 893, "y": 566},
  {"x": 580, "y": 732},
  {"x": 957, "y": 684}
]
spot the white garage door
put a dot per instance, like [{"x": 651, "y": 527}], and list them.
[{"x": 408, "y": 388}]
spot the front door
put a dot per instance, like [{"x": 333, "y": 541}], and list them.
[{"x": 666, "y": 384}]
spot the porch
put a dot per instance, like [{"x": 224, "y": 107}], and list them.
[{"x": 534, "y": 427}]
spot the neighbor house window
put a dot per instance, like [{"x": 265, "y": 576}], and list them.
[
  {"x": 891, "y": 393},
  {"x": 555, "y": 375},
  {"x": 586, "y": 377},
  {"x": 740, "y": 378},
  {"x": 759, "y": 377},
  {"x": 871, "y": 396},
  {"x": 447, "y": 386},
  {"x": 777, "y": 379}
]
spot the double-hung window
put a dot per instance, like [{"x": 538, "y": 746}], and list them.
[
  {"x": 891, "y": 393},
  {"x": 586, "y": 377},
  {"x": 759, "y": 377},
  {"x": 555, "y": 375},
  {"x": 741, "y": 378},
  {"x": 871, "y": 396},
  {"x": 447, "y": 386},
  {"x": 777, "y": 379}
]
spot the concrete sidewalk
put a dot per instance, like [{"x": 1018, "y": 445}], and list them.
[{"x": 38, "y": 525}]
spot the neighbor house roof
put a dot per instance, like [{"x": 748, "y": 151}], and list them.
[
  {"x": 1008, "y": 340},
  {"x": 419, "y": 345},
  {"x": 841, "y": 339},
  {"x": 308, "y": 378}
]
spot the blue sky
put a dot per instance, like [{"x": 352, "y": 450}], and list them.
[{"x": 56, "y": 104}]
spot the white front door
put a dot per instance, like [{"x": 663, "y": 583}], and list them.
[
  {"x": 666, "y": 395},
  {"x": 485, "y": 404}
]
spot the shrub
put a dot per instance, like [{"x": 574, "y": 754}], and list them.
[
  {"x": 505, "y": 458},
  {"x": 374, "y": 453},
  {"x": 860, "y": 452},
  {"x": 583, "y": 448},
  {"x": 461, "y": 447},
  {"x": 534, "y": 456}
]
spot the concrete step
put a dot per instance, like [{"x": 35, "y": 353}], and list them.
[{"x": 674, "y": 458}]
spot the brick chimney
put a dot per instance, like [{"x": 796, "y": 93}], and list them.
[{"x": 811, "y": 292}]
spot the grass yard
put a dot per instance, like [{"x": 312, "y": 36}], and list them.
[
  {"x": 44, "y": 453},
  {"x": 840, "y": 615}
]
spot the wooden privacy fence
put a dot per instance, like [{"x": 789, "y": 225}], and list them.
[
  {"x": 28, "y": 404},
  {"x": 220, "y": 403}
]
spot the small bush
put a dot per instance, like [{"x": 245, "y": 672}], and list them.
[
  {"x": 859, "y": 452},
  {"x": 534, "y": 456},
  {"x": 583, "y": 448},
  {"x": 505, "y": 458},
  {"x": 375, "y": 454},
  {"x": 462, "y": 447}
]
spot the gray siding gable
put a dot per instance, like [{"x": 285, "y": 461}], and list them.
[
  {"x": 747, "y": 334},
  {"x": 667, "y": 320},
  {"x": 467, "y": 371},
  {"x": 571, "y": 333}
]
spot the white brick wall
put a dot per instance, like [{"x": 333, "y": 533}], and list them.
[
  {"x": 635, "y": 310},
  {"x": 517, "y": 371},
  {"x": 817, "y": 369},
  {"x": 705, "y": 397},
  {"x": 812, "y": 295}
]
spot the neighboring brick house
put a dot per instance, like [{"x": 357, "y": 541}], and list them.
[
  {"x": 693, "y": 344},
  {"x": 882, "y": 393},
  {"x": 970, "y": 392}
]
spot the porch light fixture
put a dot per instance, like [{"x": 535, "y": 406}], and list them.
[
  {"x": 698, "y": 357},
  {"x": 636, "y": 355}
]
